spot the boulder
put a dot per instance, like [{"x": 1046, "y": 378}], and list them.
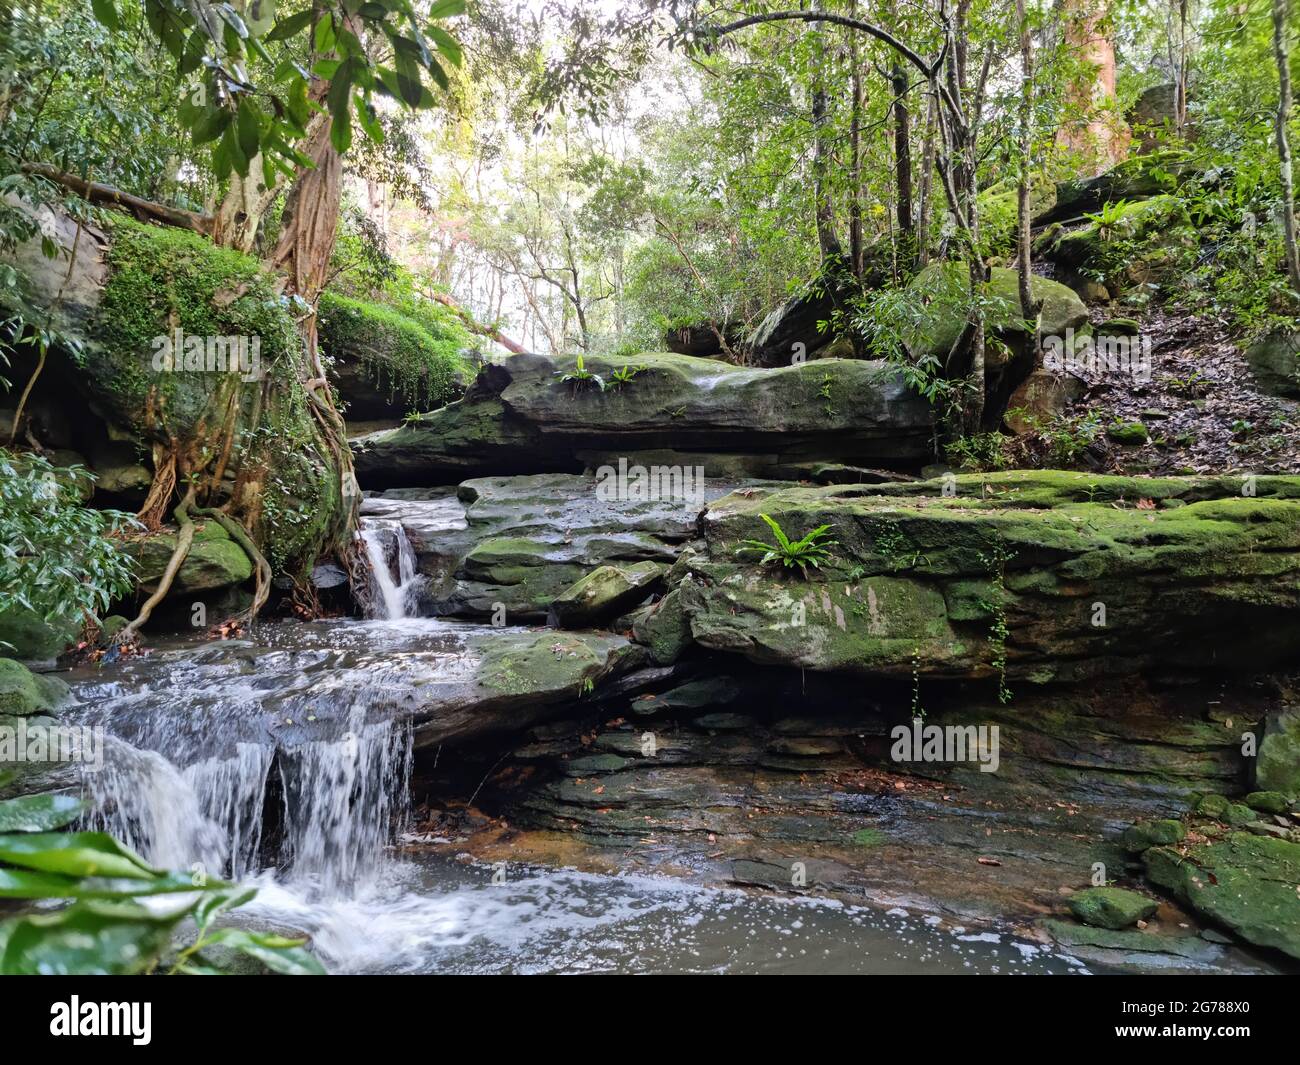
[
  {"x": 386, "y": 363},
  {"x": 792, "y": 328},
  {"x": 1137, "y": 178},
  {"x": 26, "y": 635},
  {"x": 1277, "y": 763},
  {"x": 1130, "y": 241},
  {"x": 1275, "y": 362},
  {"x": 1044, "y": 576},
  {"x": 999, "y": 209},
  {"x": 1111, "y": 907},
  {"x": 1040, "y": 397},
  {"x": 1158, "y": 833},
  {"x": 1152, "y": 116},
  {"x": 23, "y": 692},
  {"x": 214, "y": 561},
  {"x": 520, "y": 417},
  {"x": 1244, "y": 882},
  {"x": 942, "y": 289},
  {"x": 604, "y": 593},
  {"x": 664, "y": 629}
]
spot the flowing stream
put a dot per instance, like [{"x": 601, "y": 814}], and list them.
[
  {"x": 392, "y": 598},
  {"x": 284, "y": 760}
]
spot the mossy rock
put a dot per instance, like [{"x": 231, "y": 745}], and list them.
[
  {"x": 1221, "y": 808},
  {"x": 1111, "y": 907},
  {"x": 1159, "y": 833},
  {"x": 386, "y": 362},
  {"x": 604, "y": 593},
  {"x": 943, "y": 287},
  {"x": 548, "y": 665},
  {"x": 1275, "y": 362},
  {"x": 999, "y": 209},
  {"x": 1245, "y": 883},
  {"x": 162, "y": 279},
  {"x": 1126, "y": 238},
  {"x": 23, "y": 692},
  {"x": 1269, "y": 802},
  {"x": 214, "y": 561},
  {"x": 24, "y": 634},
  {"x": 1277, "y": 764},
  {"x": 1136, "y": 178},
  {"x": 913, "y": 576},
  {"x": 664, "y": 629},
  {"x": 1129, "y": 433}
]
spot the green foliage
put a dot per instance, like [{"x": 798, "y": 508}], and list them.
[
  {"x": 106, "y": 929},
  {"x": 252, "y": 88},
  {"x": 995, "y": 561},
  {"x": 580, "y": 376},
  {"x": 58, "y": 558},
  {"x": 810, "y": 550},
  {"x": 164, "y": 278},
  {"x": 420, "y": 358},
  {"x": 624, "y": 375}
]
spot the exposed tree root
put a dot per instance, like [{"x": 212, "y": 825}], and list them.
[
  {"x": 160, "y": 488},
  {"x": 239, "y": 534},
  {"x": 184, "y": 538}
]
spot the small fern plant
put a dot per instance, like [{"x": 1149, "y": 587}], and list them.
[
  {"x": 580, "y": 376},
  {"x": 812, "y": 550}
]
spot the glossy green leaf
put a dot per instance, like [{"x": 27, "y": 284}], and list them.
[
  {"x": 75, "y": 854},
  {"x": 39, "y": 813},
  {"x": 290, "y": 26},
  {"x": 88, "y": 939},
  {"x": 275, "y": 952}
]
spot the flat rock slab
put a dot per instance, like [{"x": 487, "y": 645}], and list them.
[
  {"x": 296, "y": 683},
  {"x": 520, "y": 417},
  {"x": 515, "y": 543},
  {"x": 1043, "y": 576}
]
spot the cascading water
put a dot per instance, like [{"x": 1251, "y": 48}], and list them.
[
  {"x": 392, "y": 597},
  {"x": 211, "y": 762}
]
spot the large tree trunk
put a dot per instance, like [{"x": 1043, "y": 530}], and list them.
[
  {"x": 1095, "y": 136},
  {"x": 1281, "y": 52},
  {"x": 903, "y": 157}
]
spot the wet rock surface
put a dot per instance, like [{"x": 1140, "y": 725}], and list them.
[{"x": 519, "y": 417}]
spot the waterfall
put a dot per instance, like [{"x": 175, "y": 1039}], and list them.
[
  {"x": 393, "y": 597},
  {"x": 339, "y": 798}
]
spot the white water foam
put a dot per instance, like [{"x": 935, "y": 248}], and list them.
[{"x": 392, "y": 599}]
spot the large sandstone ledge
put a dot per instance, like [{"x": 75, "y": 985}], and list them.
[
  {"x": 1043, "y": 576},
  {"x": 520, "y": 417}
]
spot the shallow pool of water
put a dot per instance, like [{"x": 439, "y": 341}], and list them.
[{"x": 437, "y": 915}]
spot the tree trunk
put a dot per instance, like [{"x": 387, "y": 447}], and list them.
[
  {"x": 903, "y": 157},
  {"x": 1095, "y": 138},
  {"x": 1281, "y": 19},
  {"x": 831, "y": 249},
  {"x": 1028, "y": 308},
  {"x": 927, "y": 185}
]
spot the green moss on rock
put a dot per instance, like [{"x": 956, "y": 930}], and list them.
[
  {"x": 1159, "y": 833},
  {"x": 1111, "y": 907},
  {"x": 418, "y": 359},
  {"x": 943, "y": 289},
  {"x": 1245, "y": 883},
  {"x": 23, "y": 692}
]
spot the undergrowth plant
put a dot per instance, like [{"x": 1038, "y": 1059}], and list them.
[
  {"x": 106, "y": 928},
  {"x": 811, "y": 550}
]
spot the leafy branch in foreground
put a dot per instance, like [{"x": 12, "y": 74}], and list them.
[
  {"x": 812, "y": 550},
  {"x": 58, "y": 559},
  {"x": 107, "y": 929}
]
